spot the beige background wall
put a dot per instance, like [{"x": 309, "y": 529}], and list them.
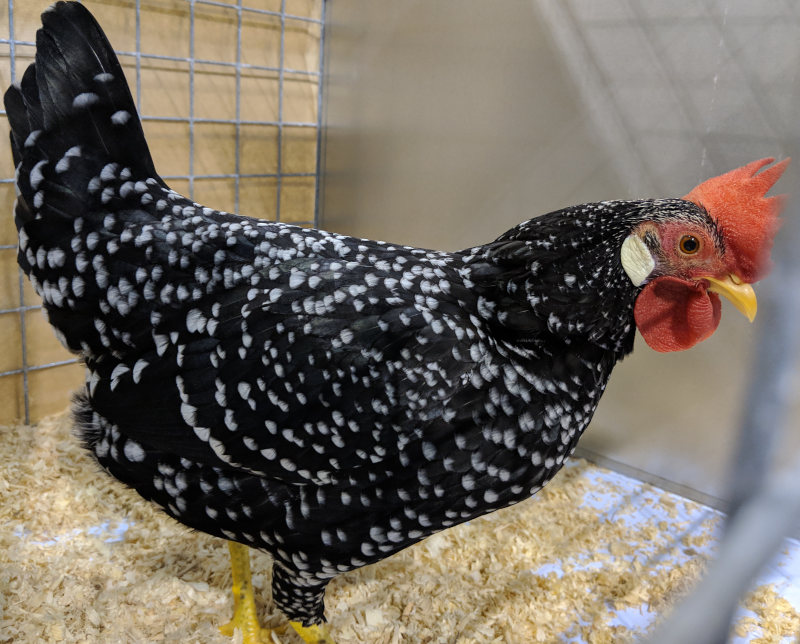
[{"x": 266, "y": 126}]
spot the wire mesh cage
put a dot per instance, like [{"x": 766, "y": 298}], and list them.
[{"x": 230, "y": 98}]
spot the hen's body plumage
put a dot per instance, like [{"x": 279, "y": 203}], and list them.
[{"x": 328, "y": 399}]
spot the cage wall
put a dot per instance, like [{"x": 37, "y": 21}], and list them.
[{"x": 229, "y": 94}]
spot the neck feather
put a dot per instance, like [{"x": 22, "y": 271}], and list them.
[{"x": 558, "y": 278}]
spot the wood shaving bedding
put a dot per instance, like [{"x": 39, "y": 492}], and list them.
[
  {"x": 84, "y": 559},
  {"x": 775, "y": 618}
]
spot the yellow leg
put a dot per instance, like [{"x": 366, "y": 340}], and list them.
[
  {"x": 315, "y": 634},
  {"x": 244, "y": 602}
]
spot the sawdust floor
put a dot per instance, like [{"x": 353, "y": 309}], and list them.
[{"x": 595, "y": 557}]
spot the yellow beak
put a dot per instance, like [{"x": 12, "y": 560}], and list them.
[{"x": 739, "y": 293}]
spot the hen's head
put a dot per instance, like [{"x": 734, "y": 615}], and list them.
[{"x": 685, "y": 262}]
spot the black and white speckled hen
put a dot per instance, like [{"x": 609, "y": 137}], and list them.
[{"x": 327, "y": 399}]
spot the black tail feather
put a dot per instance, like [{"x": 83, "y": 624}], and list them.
[
  {"x": 18, "y": 120},
  {"x": 78, "y": 71},
  {"x": 72, "y": 109},
  {"x": 79, "y": 151}
]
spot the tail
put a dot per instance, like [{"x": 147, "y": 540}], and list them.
[
  {"x": 83, "y": 173},
  {"x": 70, "y": 117}
]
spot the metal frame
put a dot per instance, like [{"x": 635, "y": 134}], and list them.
[{"x": 241, "y": 8}]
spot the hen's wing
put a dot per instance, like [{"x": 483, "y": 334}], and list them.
[{"x": 307, "y": 367}]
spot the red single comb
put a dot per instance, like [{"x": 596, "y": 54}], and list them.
[{"x": 747, "y": 218}]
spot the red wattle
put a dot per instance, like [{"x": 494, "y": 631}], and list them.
[{"x": 674, "y": 314}]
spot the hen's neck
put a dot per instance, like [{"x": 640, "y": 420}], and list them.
[{"x": 558, "y": 280}]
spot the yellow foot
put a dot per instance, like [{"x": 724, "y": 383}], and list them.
[
  {"x": 244, "y": 602},
  {"x": 251, "y": 633},
  {"x": 314, "y": 634},
  {"x": 244, "y": 607}
]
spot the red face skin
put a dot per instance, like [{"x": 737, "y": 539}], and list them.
[
  {"x": 686, "y": 262},
  {"x": 675, "y": 311}
]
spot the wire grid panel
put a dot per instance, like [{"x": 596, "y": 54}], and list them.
[{"x": 230, "y": 98}]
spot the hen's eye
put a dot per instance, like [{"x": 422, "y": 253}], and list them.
[{"x": 689, "y": 245}]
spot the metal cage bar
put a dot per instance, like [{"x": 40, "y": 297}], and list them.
[{"x": 12, "y": 59}]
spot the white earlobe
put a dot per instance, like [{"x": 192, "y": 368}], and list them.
[{"x": 636, "y": 259}]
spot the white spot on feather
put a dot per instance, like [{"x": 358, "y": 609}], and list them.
[
  {"x": 162, "y": 343},
  {"x": 78, "y": 286},
  {"x": 195, "y": 321},
  {"x": 109, "y": 172},
  {"x": 36, "y": 176},
  {"x": 120, "y": 370},
  {"x": 189, "y": 413},
  {"x": 138, "y": 368},
  {"x": 120, "y": 117},
  {"x": 133, "y": 451},
  {"x": 85, "y": 99},
  {"x": 63, "y": 163},
  {"x": 31, "y": 140}
]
